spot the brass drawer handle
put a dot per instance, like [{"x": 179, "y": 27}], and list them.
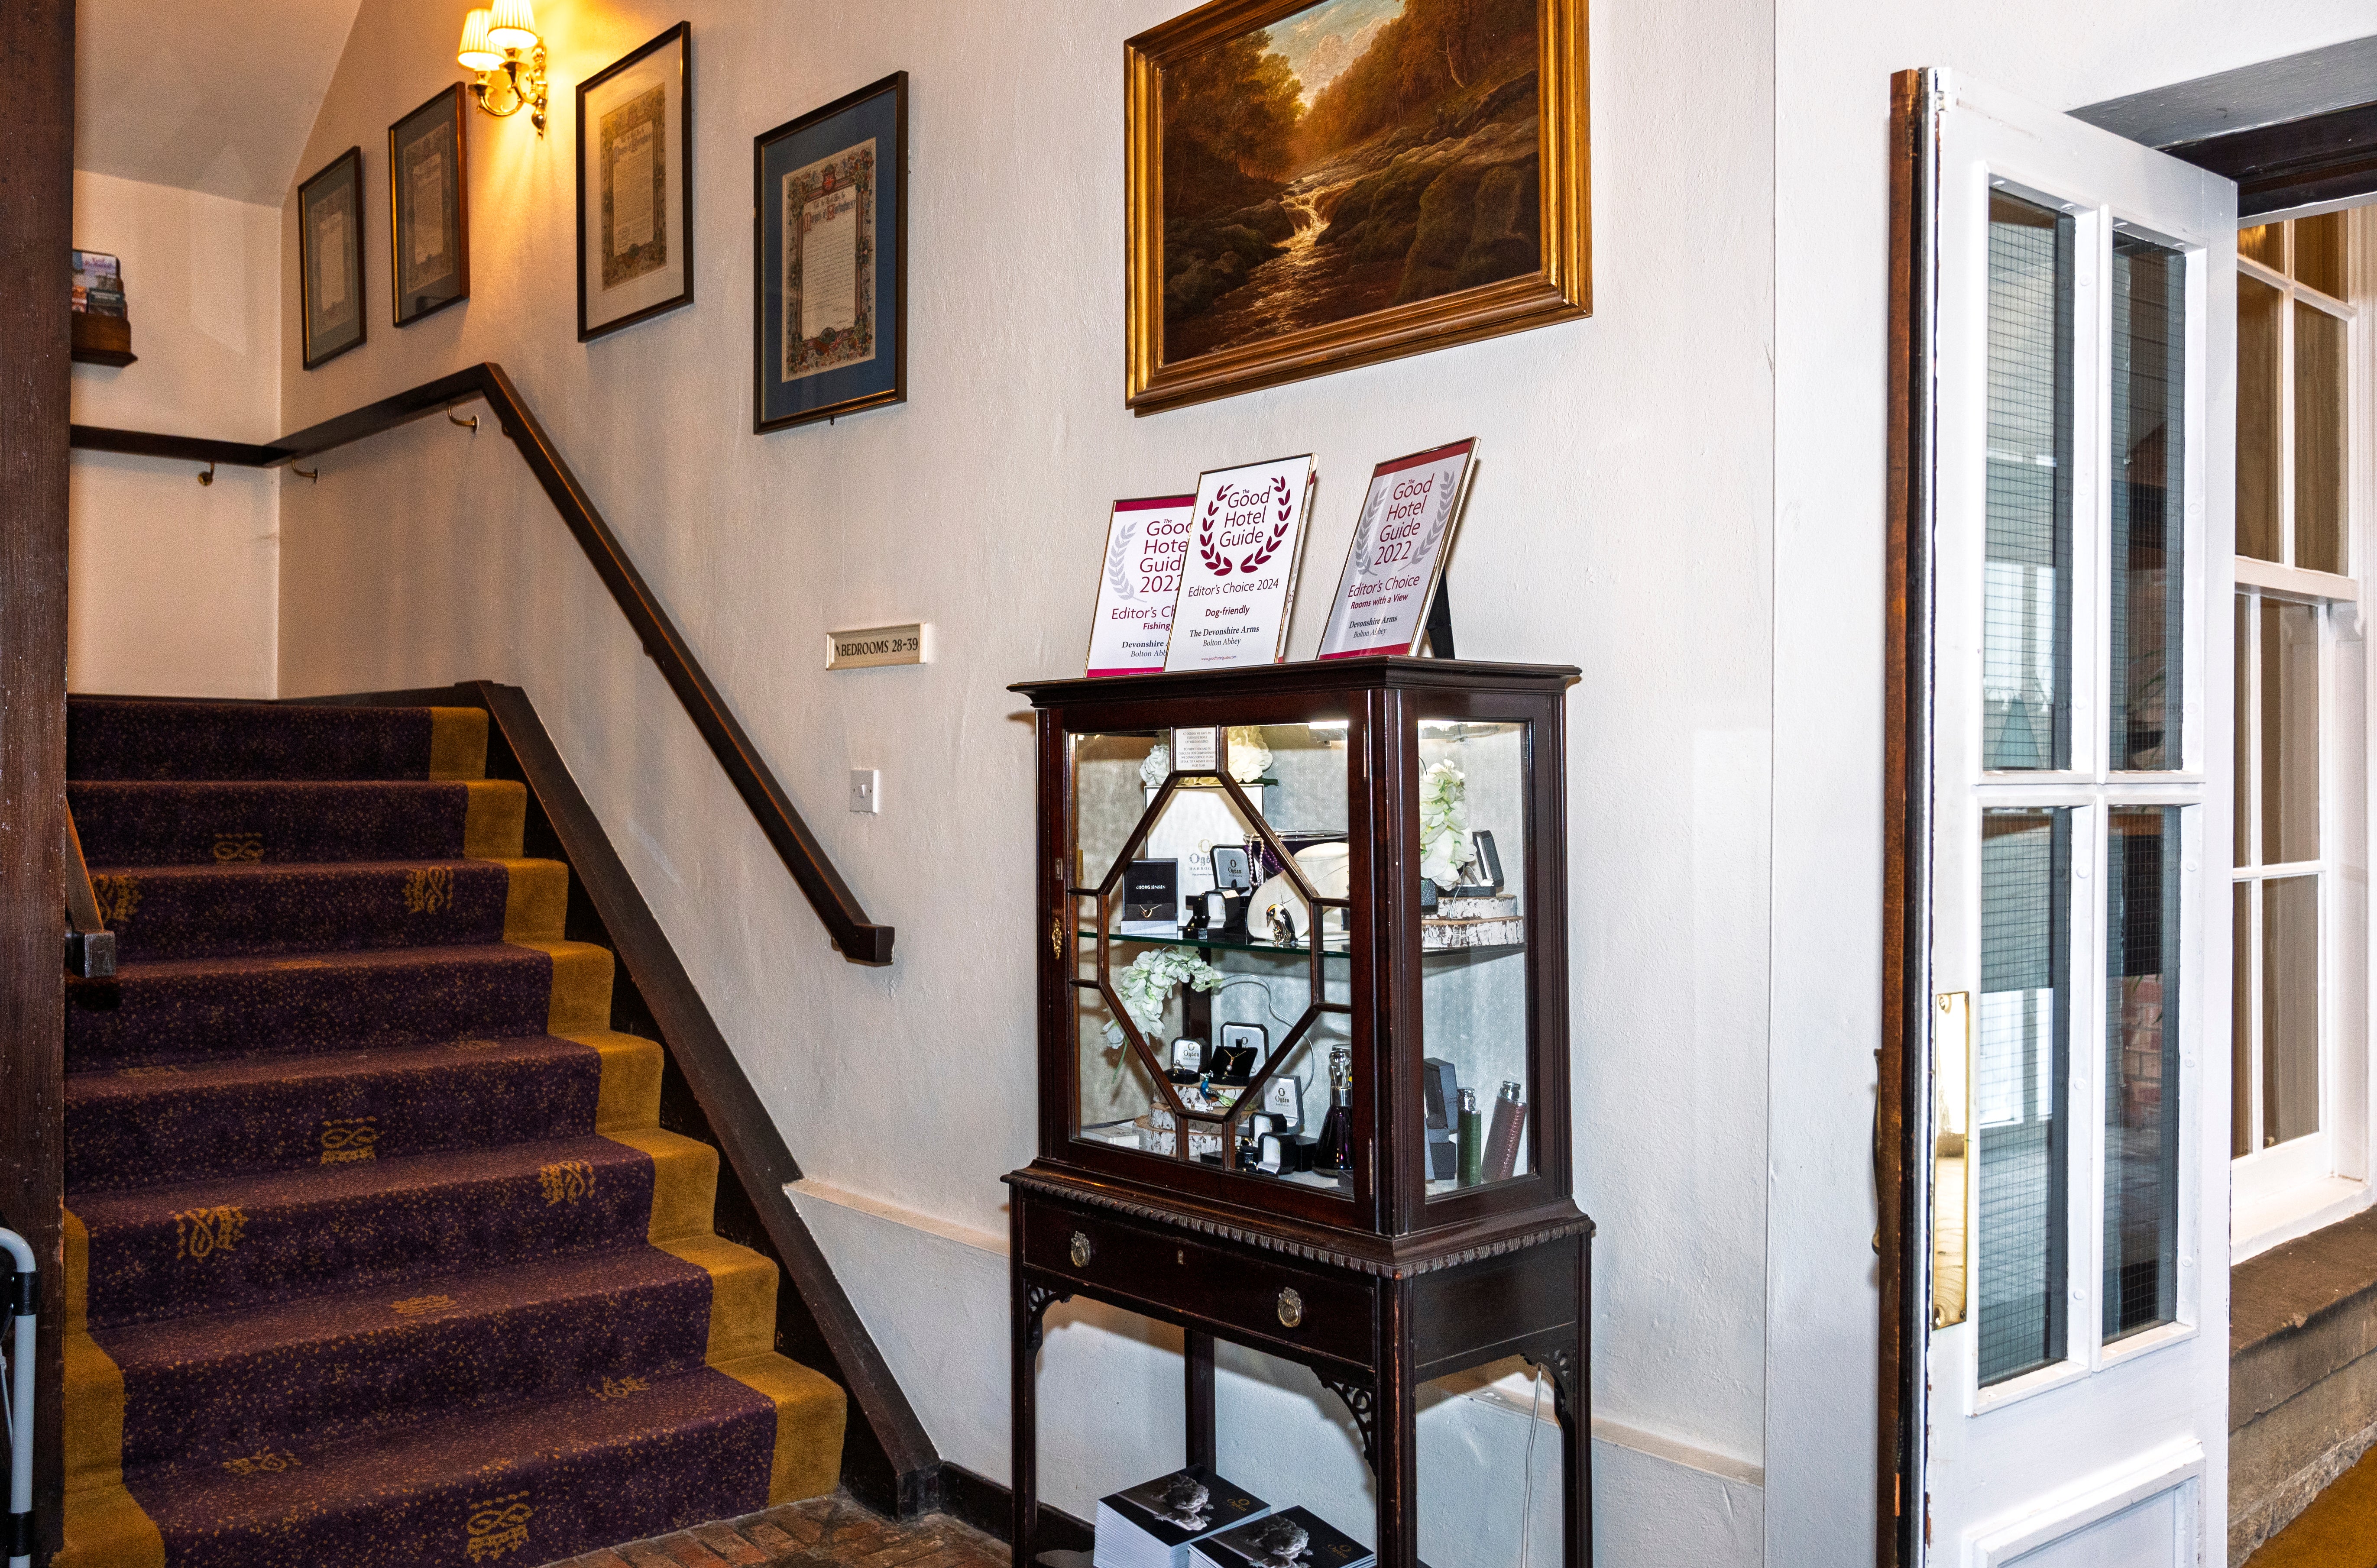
[
  {"x": 1291, "y": 1308},
  {"x": 1082, "y": 1250}
]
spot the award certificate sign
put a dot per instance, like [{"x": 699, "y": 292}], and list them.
[
  {"x": 635, "y": 186},
  {"x": 1146, "y": 541},
  {"x": 1397, "y": 557},
  {"x": 1237, "y": 582}
]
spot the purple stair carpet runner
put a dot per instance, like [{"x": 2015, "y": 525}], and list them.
[{"x": 377, "y": 1256}]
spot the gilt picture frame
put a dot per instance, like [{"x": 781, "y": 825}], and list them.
[
  {"x": 429, "y": 207},
  {"x": 1278, "y": 154},
  {"x": 635, "y": 186},
  {"x": 829, "y": 242},
  {"x": 331, "y": 310}
]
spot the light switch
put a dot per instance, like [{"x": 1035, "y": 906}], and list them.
[{"x": 866, "y": 790}]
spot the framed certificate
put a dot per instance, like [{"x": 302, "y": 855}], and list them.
[
  {"x": 635, "y": 186},
  {"x": 1139, "y": 582},
  {"x": 1395, "y": 564},
  {"x": 429, "y": 227},
  {"x": 330, "y": 258},
  {"x": 1237, "y": 581},
  {"x": 830, "y": 290}
]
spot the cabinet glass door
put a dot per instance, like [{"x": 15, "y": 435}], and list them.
[
  {"x": 1211, "y": 965},
  {"x": 1476, "y": 1072}
]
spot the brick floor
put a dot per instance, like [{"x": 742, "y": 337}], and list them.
[{"x": 825, "y": 1532}]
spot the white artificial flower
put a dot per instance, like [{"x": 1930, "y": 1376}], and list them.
[
  {"x": 1249, "y": 758},
  {"x": 1443, "y": 824}
]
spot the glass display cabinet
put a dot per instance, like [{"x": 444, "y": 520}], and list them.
[{"x": 1302, "y": 1026}]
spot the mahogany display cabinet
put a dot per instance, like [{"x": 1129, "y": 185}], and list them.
[{"x": 1292, "y": 922}]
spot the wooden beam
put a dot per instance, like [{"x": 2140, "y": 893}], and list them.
[{"x": 36, "y": 235}]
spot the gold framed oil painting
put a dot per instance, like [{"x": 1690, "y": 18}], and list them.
[{"x": 1315, "y": 187}]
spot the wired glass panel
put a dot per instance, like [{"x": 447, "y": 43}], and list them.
[
  {"x": 2026, "y": 589},
  {"x": 2023, "y": 1052},
  {"x": 2149, "y": 490},
  {"x": 2141, "y": 1069}
]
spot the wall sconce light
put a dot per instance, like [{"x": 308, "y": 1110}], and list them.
[{"x": 500, "y": 43}]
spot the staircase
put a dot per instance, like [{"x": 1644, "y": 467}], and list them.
[{"x": 377, "y": 1256}]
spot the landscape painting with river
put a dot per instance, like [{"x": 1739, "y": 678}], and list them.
[{"x": 1355, "y": 155}]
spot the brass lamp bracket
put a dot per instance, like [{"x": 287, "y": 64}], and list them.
[{"x": 517, "y": 83}]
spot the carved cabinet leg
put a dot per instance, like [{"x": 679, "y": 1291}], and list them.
[
  {"x": 1197, "y": 1361},
  {"x": 1394, "y": 1460}
]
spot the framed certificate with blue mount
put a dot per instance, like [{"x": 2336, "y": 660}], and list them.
[{"x": 831, "y": 241}]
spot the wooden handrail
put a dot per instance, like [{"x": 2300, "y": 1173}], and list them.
[{"x": 860, "y": 940}]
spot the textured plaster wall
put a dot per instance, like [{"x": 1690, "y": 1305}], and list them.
[
  {"x": 1620, "y": 522},
  {"x": 173, "y": 585},
  {"x": 1833, "y": 63}
]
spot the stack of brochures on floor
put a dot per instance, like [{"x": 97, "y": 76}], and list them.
[
  {"x": 1293, "y": 1537},
  {"x": 1154, "y": 1524}
]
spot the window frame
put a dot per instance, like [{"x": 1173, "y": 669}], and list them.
[{"x": 2286, "y": 1189}]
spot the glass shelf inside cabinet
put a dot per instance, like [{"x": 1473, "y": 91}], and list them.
[{"x": 1205, "y": 865}]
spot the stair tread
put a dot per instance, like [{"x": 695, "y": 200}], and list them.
[
  {"x": 215, "y": 821},
  {"x": 213, "y": 1244},
  {"x": 545, "y": 1479},
  {"x": 166, "y": 1010},
  {"x": 291, "y": 907},
  {"x": 133, "y": 736},
  {"x": 142, "y": 1126},
  {"x": 215, "y": 1385},
  {"x": 116, "y": 1083}
]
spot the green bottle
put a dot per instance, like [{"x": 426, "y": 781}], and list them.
[{"x": 1471, "y": 1140}]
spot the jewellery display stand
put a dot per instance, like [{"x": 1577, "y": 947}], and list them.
[{"x": 1168, "y": 1199}]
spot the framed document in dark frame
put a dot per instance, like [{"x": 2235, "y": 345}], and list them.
[
  {"x": 429, "y": 208},
  {"x": 330, "y": 258},
  {"x": 830, "y": 237},
  {"x": 635, "y": 202}
]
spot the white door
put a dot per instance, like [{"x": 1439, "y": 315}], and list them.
[{"x": 2079, "y": 575}]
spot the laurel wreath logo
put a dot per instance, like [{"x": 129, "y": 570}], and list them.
[
  {"x": 1119, "y": 576},
  {"x": 1215, "y": 562}
]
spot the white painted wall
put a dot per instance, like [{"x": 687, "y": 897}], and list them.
[
  {"x": 172, "y": 587},
  {"x": 1833, "y": 63},
  {"x": 1684, "y": 496},
  {"x": 1626, "y": 466}
]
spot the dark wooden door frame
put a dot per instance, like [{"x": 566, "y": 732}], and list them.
[
  {"x": 36, "y": 232},
  {"x": 2327, "y": 157}
]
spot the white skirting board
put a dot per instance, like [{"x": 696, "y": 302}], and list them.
[{"x": 934, "y": 1295}]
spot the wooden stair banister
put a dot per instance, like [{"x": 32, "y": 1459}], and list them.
[{"x": 859, "y": 939}]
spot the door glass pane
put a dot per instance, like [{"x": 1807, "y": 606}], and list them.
[
  {"x": 2027, "y": 632},
  {"x": 2318, "y": 440},
  {"x": 2266, "y": 243},
  {"x": 2240, "y": 1022},
  {"x": 2257, "y": 419},
  {"x": 2319, "y": 253},
  {"x": 2149, "y": 496},
  {"x": 2141, "y": 1069},
  {"x": 2241, "y": 754},
  {"x": 2289, "y": 1008},
  {"x": 2289, "y": 732},
  {"x": 1477, "y": 1102},
  {"x": 2023, "y": 1035}
]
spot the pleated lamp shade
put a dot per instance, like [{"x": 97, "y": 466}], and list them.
[
  {"x": 477, "y": 54},
  {"x": 512, "y": 25}
]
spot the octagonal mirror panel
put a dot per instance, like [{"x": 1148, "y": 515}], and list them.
[{"x": 1212, "y": 979}]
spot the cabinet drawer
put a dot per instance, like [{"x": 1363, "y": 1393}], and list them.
[{"x": 1247, "y": 1294}]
